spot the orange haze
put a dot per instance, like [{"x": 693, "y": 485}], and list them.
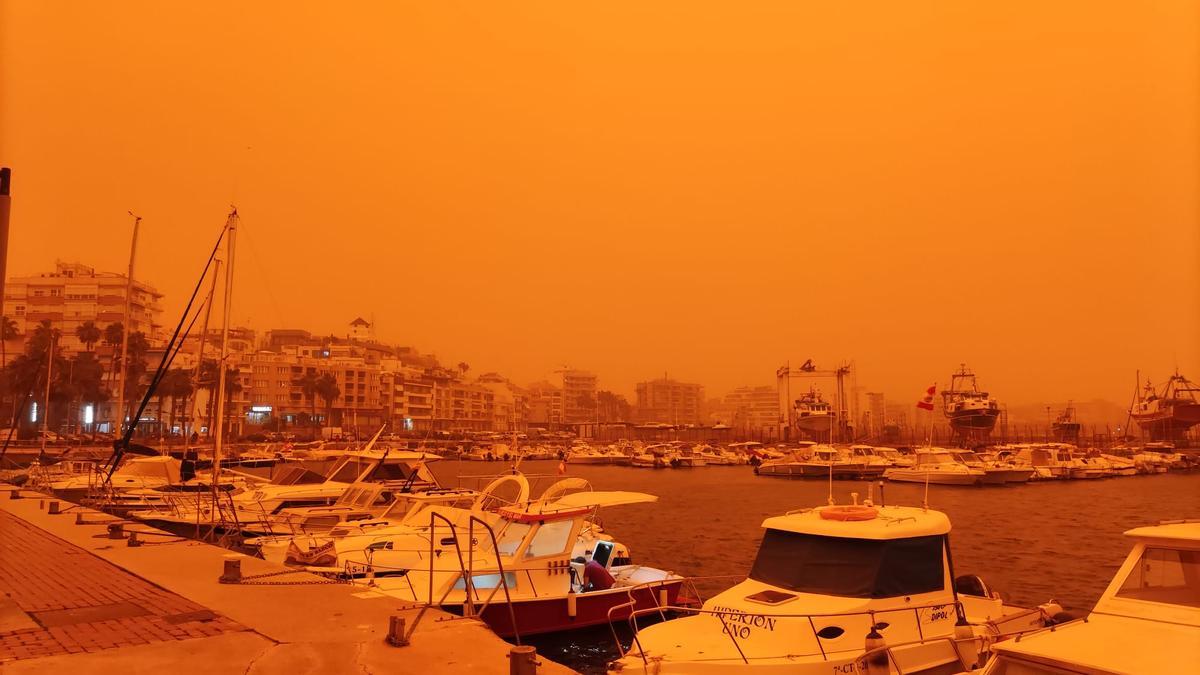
[{"x": 707, "y": 189}]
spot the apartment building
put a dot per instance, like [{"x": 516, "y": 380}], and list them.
[
  {"x": 578, "y": 396},
  {"x": 667, "y": 401},
  {"x": 74, "y": 294},
  {"x": 749, "y": 410}
]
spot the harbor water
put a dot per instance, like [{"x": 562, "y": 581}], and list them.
[{"x": 1035, "y": 542}]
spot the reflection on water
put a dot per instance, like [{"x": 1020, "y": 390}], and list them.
[{"x": 1033, "y": 542}]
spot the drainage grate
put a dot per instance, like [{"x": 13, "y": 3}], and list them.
[{"x": 70, "y": 617}]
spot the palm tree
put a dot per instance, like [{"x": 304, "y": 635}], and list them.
[
  {"x": 464, "y": 367},
  {"x": 308, "y": 387},
  {"x": 113, "y": 333},
  {"x": 327, "y": 389},
  {"x": 88, "y": 334},
  {"x": 8, "y": 331},
  {"x": 176, "y": 383}
]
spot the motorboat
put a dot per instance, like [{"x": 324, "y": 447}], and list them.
[
  {"x": 826, "y": 584},
  {"x": 896, "y": 457},
  {"x": 518, "y": 565},
  {"x": 257, "y": 510},
  {"x": 1087, "y": 466},
  {"x": 1008, "y": 466},
  {"x": 874, "y": 459},
  {"x": 1147, "y": 620},
  {"x": 936, "y": 466},
  {"x": 828, "y": 460},
  {"x": 992, "y": 475},
  {"x": 788, "y": 466},
  {"x": 1045, "y": 462}
]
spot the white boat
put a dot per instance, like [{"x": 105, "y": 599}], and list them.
[
  {"x": 991, "y": 475},
  {"x": 876, "y": 462},
  {"x": 261, "y": 509},
  {"x": 813, "y": 415},
  {"x": 936, "y": 466},
  {"x": 1147, "y": 620},
  {"x": 827, "y": 583},
  {"x": 519, "y": 567},
  {"x": 1010, "y": 468}
]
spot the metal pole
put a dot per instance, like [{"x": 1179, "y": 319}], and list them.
[
  {"x": 137, "y": 220},
  {"x": 231, "y": 224},
  {"x": 5, "y": 202},
  {"x": 49, "y": 377},
  {"x": 212, "y": 295}
]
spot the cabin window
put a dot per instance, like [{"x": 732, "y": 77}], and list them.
[
  {"x": 550, "y": 539},
  {"x": 511, "y": 538},
  {"x": 1165, "y": 575},
  {"x": 389, "y": 472},
  {"x": 349, "y": 471},
  {"x": 856, "y": 568}
]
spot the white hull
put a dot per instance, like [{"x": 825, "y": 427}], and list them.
[{"x": 932, "y": 477}]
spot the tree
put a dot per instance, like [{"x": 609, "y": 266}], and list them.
[
  {"x": 209, "y": 375},
  {"x": 463, "y": 366},
  {"x": 308, "y": 387},
  {"x": 8, "y": 331},
  {"x": 176, "y": 383},
  {"x": 327, "y": 389},
  {"x": 613, "y": 407},
  {"x": 113, "y": 333},
  {"x": 88, "y": 334}
]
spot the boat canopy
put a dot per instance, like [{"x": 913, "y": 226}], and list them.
[{"x": 576, "y": 504}]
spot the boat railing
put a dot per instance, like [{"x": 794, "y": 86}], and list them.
[
  {"x": 466, "y": 570},
  {"x": 661, "y": 605},
  {"x": 811, "y": 619}
]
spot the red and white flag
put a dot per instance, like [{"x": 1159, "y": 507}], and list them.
[{"x": 927, "y": 402}]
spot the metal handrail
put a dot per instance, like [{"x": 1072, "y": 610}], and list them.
[
  {"x": 468, "y": 583},
  {"x": 512, "y": 614}
]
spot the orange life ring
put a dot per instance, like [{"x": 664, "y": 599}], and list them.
[{"x": 849, "y": 513}]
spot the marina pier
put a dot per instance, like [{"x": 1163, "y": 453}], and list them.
[{"x": 78, "y": 596}]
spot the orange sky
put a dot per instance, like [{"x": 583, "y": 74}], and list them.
[{"x": 706, "y": 189}]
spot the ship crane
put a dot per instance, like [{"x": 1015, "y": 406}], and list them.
[{"x": 783, "y": 378}]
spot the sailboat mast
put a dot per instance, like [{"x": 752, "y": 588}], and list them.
[
  {"x": 49, "y": 377},
  {"x": 137, "y": 221},
  {"x": 231, "y": 227},
  {"x": 212, "y": 295}
]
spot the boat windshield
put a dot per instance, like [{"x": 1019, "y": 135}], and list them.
[
  {"x": 1165, "y": 575},
  {"x": 855, "y": 568}
]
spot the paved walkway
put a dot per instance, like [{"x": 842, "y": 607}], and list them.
[{"x": 77, "y": 602}]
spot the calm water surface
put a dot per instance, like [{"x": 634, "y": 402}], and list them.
[{"x": 1033, "y": 542}]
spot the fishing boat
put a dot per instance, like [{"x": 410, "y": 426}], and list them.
[
  {"x": 813, "y": 415},
  {"x": 972, "y": 412},
  {"x": 1147, "y": 620},
  {"x": 828, "y": 584},
  {"x": 936, "y": 466},
  {"x": 1167, "y": 412}
]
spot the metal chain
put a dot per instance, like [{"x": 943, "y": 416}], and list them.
[{"x": 252, "y": 580}]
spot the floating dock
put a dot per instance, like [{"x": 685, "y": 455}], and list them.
[{"x": 77, "y": 596}]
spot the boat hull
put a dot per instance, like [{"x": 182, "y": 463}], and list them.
[
  {"x": 536, "y": 616},
  {"x": 932, "y": 477}
]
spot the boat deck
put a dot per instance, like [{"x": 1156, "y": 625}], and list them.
[{"x": 76, "y": 600}]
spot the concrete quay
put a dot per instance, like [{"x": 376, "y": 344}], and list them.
[{"x": 72, "y": 599}]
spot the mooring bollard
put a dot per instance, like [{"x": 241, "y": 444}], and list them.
[
  {"x": 79, "y": 518},
  {"x": 395, "y": 635},
  {"x": 54, "y": 508},
  {"x": 522, "y": 660},
  {"x": 14, "y": 494},
  {"x": 116, "y": 530},
  {"x": 233, "y": 570},
  {"x": 133, "y": 539}
]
